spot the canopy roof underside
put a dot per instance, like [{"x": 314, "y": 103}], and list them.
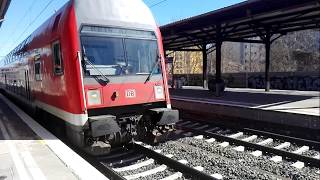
[{"x": 241, "y": 22}]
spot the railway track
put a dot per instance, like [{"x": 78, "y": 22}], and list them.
[
  {"x": 203, "y": 151},
  {"x": 262, "y": 142},
  {"x": 140, "y": 161},
  {"x": 297, "y": 154}
]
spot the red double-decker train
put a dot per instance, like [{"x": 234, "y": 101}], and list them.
[{"x": 98, "y": 67}]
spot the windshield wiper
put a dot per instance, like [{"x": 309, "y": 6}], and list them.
[
  {"x": 86, "y": 59},
  {"x": 151, "y": 72}
]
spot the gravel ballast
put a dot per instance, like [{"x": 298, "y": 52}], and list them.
[
  {"x": 230, "y": 163},
  {"x": 159, "y": 175}
]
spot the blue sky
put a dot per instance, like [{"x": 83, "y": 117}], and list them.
[{"x": 23, "y": 16}]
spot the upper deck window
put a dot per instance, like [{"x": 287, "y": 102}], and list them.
[
  {"x": 56, "y": 22},
  {"x": 57, "y": 58},
  {"x": 37, "y": 68}
]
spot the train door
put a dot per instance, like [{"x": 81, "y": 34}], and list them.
[{"x": 27, "y": 85}]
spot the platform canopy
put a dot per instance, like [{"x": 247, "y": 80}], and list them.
[
  {"x": 240, "y": 22},
  {"x": 4, "y": 4},
  {"x": 252, "y": 21}
]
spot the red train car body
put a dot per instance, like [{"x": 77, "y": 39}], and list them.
[{"x": 99, "y": 67}]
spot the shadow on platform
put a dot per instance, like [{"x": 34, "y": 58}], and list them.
[{"x": 12, "y": 127}]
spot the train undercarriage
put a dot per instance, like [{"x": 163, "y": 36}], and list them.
[{"x": 105, "y": 132}]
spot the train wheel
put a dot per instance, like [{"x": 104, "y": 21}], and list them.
[
  {"x": 145, "y": 129},
  {"x": 163, "y": 133},
  {"x": 150, "y": 133}
]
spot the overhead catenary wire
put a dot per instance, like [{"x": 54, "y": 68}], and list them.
[
  {"x": 18, "y": 24},
  {"x": 158, "y": 3},
  {"x": 33, "y": 21},
  {"x": 41, "y": 12}
]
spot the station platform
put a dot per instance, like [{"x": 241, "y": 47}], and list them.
[
  {"x": 293, "y": 108},
  {"x": 28, "y": 151}
]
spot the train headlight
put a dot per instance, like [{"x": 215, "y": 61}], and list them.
[
  {"x": 94, "y": 97},
  {"x": 158, "y": 92}
]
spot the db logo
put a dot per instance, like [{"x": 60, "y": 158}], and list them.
[{"x": 130, "y": 93}]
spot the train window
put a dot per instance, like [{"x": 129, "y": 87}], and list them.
[
  {"x": 125, "y": 56},
  {"x": 56, "y": 22},
  {"x": 37, "y": 68},
  {"x": 57, "y": 58}
]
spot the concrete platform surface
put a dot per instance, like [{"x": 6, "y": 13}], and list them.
[
  {"x": 28, "y": 151},
  {"x": 297, "y": 108}
]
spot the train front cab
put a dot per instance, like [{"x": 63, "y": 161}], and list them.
[{"x": 125, "y": 87}]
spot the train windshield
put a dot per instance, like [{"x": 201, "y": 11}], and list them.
[{"x": 119, "y": 54}]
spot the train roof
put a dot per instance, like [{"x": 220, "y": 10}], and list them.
[
  {"x": 119, "y": 13},
  {"x": 132, "y": 14}
]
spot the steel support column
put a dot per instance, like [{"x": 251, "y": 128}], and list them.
[
  {"x": 218, "y": 84},
  {"x": 218, "y": 53},
  {"x": 166, "y": 57},
  {"x": 267, "y": 65},
  {"x": 218, "y": 61},
  {"x": 205, "y": 66}
]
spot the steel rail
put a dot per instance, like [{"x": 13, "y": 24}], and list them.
[
  {"x": 308, "y": 160},
  {"x": 106, "y": 170},
  {"x": 314, "y": 144},
  {"x": 112, "y": 175},
  {"x": 301, "y": 141},
  {"x": 185, "y": 169}
]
